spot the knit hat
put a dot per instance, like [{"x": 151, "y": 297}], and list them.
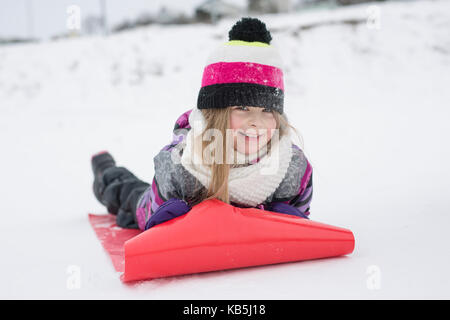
[{"x": 245, "y": 71}]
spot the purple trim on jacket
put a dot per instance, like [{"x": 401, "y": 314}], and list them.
[
  {"x": 182, "y": 122},
  {"x": 306, "y": 177},
  {"x": 303, "y": 200}
]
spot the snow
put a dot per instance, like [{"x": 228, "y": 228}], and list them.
[{"x": 371, "y": 106}]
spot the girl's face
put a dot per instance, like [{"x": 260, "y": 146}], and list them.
[{"x": 252, "y": 128}]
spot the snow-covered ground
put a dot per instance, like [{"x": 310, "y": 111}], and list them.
[{"x": 372, "y": 106}]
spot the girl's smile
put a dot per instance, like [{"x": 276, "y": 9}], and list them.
[{"x": 250, "y": 136}]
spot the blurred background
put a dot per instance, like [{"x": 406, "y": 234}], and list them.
[
  {"x": 366, "y": 86},
  {"x": 31, "y": 20}
]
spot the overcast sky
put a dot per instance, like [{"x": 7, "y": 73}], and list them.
[{"x": 50, "y": 16}]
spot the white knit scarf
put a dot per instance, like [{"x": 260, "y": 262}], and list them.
[{"x": 248, "y": 185}]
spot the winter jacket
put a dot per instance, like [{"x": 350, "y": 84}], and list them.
[{"x": 174, "y": 190}]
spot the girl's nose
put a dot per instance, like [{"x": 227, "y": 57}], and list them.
[{"x": 254, "y": 122}]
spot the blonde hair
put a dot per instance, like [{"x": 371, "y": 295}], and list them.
[{"x": 219, "y": 119}]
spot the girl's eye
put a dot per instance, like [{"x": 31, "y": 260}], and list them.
[{"x": 265, "y": 109}]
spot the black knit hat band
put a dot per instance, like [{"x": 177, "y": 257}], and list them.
[{"x": 240, "y": 94}]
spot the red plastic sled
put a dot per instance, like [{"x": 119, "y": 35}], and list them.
[
  {"x": 214, "y": 235},
  {"x": 112, "y": 237}
]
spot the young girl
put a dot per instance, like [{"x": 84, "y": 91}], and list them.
[{"x": 241, "y": 102}]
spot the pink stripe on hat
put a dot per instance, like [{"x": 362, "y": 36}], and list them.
[{"x": 248, "y": 72}]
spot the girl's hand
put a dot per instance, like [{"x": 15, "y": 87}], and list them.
[
  {"x": 285, "y": 208},
  {"x": 170, "y": 209}
]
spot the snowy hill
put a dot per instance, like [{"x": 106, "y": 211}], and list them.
[{"x": 371, "y": 105}]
